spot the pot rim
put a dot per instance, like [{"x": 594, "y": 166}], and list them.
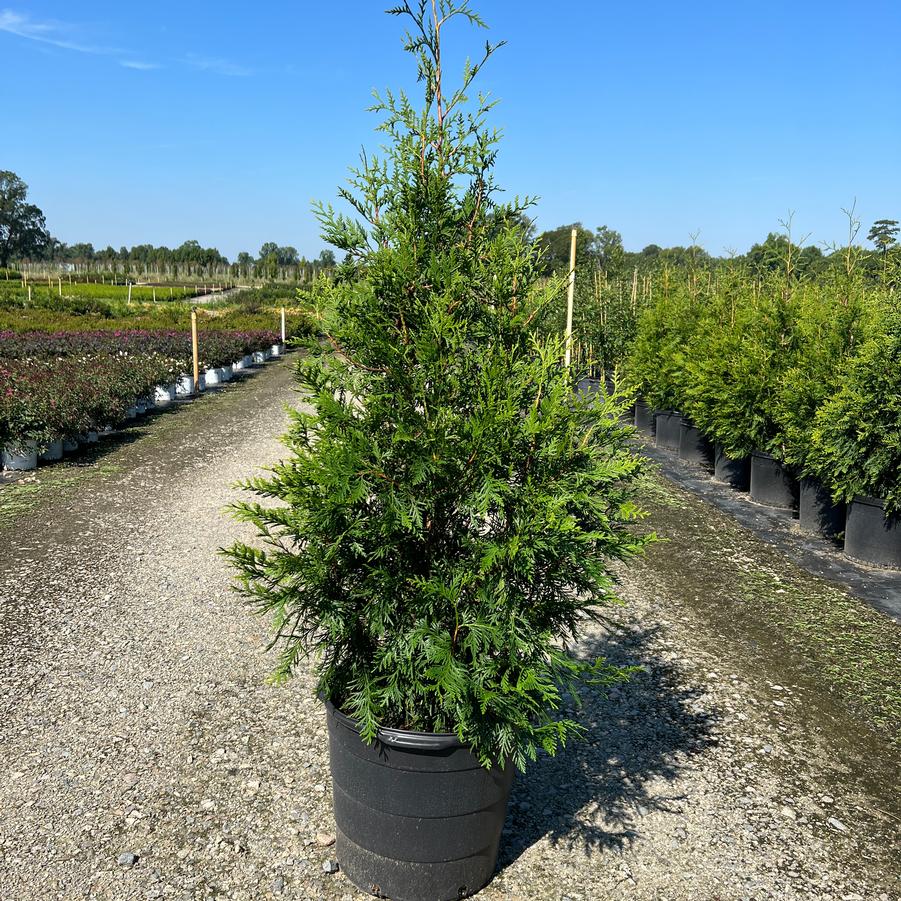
[
  {"x": 869, "y": 501},
  {"x": 401, "y": 738}
]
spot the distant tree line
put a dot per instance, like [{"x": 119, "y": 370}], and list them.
[
  {"x": 602, "y": 249},
  {"x": 24, "y": 238}
]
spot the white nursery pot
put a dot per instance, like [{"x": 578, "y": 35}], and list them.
[
  {"x": 227, "y": 373},
  {"x": 53, "y": 451},
  {"x": 237, "y": 366},
  {"x": 131, "y": 412},
  {"x": 259, "y": 357},
  {"x": 21, "y": 457},
  {"x": 141, "y": 407},
  {"x": 275, "y": 350},
  {"x": 163, "y": 395},
  {"x": 248, "y": 361},
  {"x": 91, "y": 438},
  {"x": 211, "y": 377},
  {"x": 70, "y": 445},
  {"x": 185, "y": 385}
]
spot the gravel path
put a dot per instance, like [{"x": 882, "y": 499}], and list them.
[{"x": 145, "y": 756}]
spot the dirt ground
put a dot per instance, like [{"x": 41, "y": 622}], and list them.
[{"x": 144, "y": 755}]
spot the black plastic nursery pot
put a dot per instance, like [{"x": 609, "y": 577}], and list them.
[
  {"x": 817, "y": 512},
  {"x": 669, "y": 429},
  {"x": 771, "y": 483},
  {"x": 736, "y": 473},
  {"x": 870, "y": 535},
  {"x": 644, "y": 418},
  {"x": 693, "y": 446},
  {"x": 418, "y": 818}
]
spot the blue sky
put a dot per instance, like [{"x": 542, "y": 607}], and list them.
[{"x": 139, "y": 122}]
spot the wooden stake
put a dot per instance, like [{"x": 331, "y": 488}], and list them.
[
  {"x": 59, "y": 286},
  {"x": 129, "y": 292},
  {"x": 195, "y": 349},
  {"x": 570, "y": 293},
  {"x": 283, "y": 325}
]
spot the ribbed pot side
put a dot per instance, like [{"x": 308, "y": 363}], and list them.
[
  {"x": 817, "y": 512},
  {"x": 735, "y": 472},
  {"x": 669, "y": 429},
  {"x": 771, "y": 483},
  {"x": 693, "y": 446},
  {"x": 644, "y": 418},
  {"x": 870, "y": 535},
  {"x": 418, "y": 818}
]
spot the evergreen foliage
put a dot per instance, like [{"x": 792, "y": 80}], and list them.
[
  {"x": 657, "y": 363},
  {"x": 856, "y": 438},
  {"x": 743, "y": 343},
  {"x": 450, "y": 509},
  {"x": 831, "y": 326}
]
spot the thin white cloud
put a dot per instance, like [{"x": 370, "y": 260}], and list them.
[
  {"x": 50, "y": 31},
  {"x": 66, "y": 36},
  {"x": 217, "y": 65},
  {"x": 138, "y": 64}
]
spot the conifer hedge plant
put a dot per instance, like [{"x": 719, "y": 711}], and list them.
[
  {"x": 832, "y": 325},
  {"x": 744, "y": 341},
  {"x": 855, "y": 441},
  {"x": 656, "y": 365},
  {"x": 449, "y": 510}
]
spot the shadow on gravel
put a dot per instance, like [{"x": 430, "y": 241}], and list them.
[
  {"x": 92, "y": 454},
  {"x": 594, "y": 793}
]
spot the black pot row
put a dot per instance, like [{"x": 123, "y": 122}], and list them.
[{"x": 869, "y": 535}]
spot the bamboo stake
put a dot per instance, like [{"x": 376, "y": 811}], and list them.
[
  {"x": 570, "y": 294},
  {"x": 59, "y": 286},
  {"x": 195, "y": 349},
  {"x": 283, "y": 325}
]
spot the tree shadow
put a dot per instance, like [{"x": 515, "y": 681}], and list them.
[{"x": 594, "y": 793}]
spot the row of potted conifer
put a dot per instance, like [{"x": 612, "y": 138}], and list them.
[{"x": 797, "y": 391}]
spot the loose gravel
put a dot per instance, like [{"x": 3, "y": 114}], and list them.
[{"x": 144, "y": 754}]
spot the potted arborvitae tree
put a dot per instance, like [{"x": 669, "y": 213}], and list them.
[
  {"x": 711, "y": 372},
  {"x": 856, "y": 444},
  {"x": 745, "y": 343},
  {"x": 833, "y": 323},
  {"x": 450, "y": 507},
  {"x": 656, "y": 366}
]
